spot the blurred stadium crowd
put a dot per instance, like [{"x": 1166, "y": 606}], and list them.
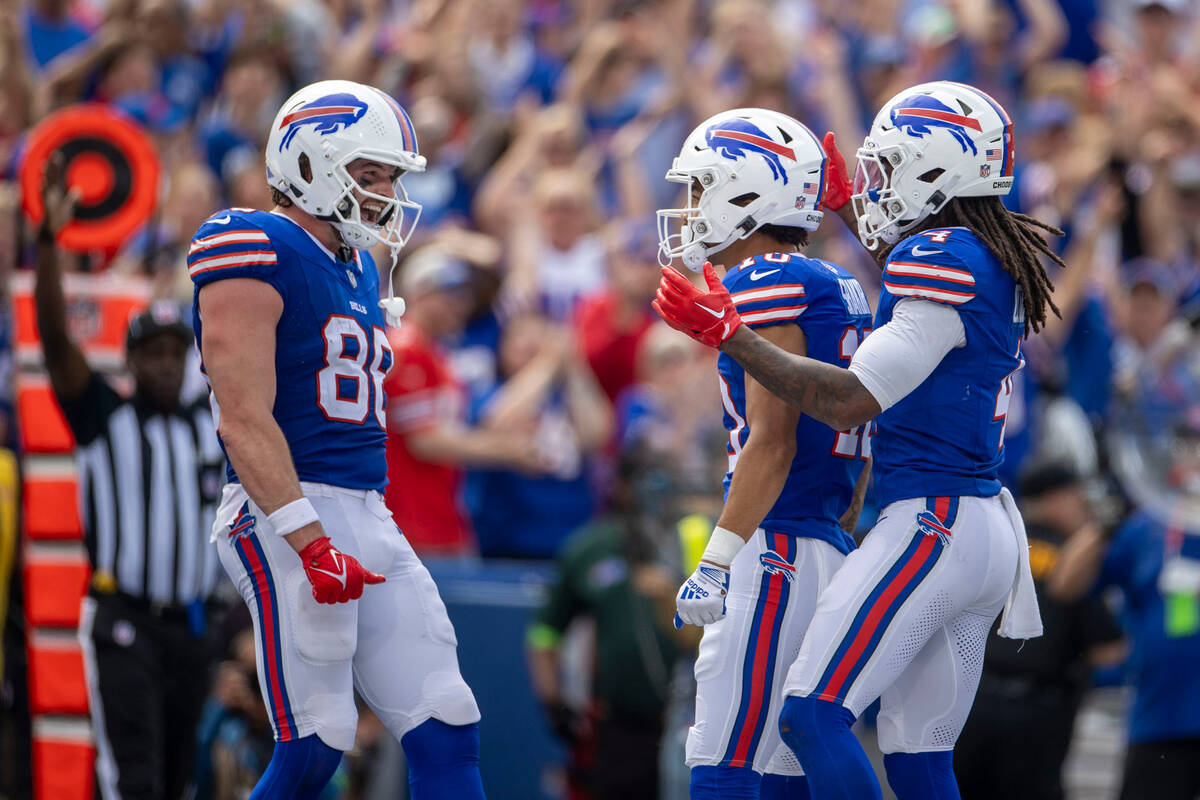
[{"x": 535, "y": 396}]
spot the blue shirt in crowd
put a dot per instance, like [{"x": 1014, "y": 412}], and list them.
[
  {"x": 1163, "y": 625},
  {"x": 526, "y": 516},
  {"x": 47, "y": 39}
]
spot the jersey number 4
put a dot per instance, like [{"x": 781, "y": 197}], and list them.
[
  {"x": 856, "y": 442},
  {"x": 342, "y": 385}
]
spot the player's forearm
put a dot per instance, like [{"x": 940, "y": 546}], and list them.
[
  {"x": 761, "y": 472},
  {"x": 826, "y": 393},
  {"x": 260, "y": 456}
]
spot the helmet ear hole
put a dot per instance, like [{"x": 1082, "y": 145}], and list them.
[
  {"x": 305, "y": 167},
  {"x": 743, "y": 200},
  {"x": 932, "y": 175}
]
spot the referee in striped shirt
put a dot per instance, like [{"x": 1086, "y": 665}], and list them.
[{"x": 149, "y": 472}]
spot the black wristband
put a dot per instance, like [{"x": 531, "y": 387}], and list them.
[{"x": 45, "y": 236}]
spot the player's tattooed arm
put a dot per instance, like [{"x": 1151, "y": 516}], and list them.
[{"x": 826, "y": 393}]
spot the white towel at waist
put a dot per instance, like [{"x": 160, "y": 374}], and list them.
[{"x": 1021, "y": 618}]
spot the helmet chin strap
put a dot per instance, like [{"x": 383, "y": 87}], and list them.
[{"x": 393, "y": 306}]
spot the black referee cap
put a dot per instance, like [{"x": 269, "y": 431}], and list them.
[{"x": 162, "y": 316}]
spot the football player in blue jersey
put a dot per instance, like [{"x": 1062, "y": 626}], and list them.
[
  {"x": 288, "y": 317},
  {"x": 907, "y": 616},
  {"x": 755, "y": 182}
]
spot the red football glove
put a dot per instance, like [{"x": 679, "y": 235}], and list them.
[
  {"x": 838, "y": 187},
  {"x": 335, "y": 576},
  {"x": 708, "y": 317}
]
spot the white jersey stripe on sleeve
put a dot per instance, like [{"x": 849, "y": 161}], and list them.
[
  {"x": 783, "y": 290},
  {"x": 927, "y": 271},
  {"x": 232, "y": 237},
  {"x": 235, "y": 260},
  {"x": 770, "y": 315},
  {"x": 944, "y": 295}
]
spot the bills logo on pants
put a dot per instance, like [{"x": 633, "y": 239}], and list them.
[
  {"x": 930, "y": 539},
  {"x": 762, "y": 649},
  {"x": 906, "y": 619},
  {"x": 774, "y": 584},
  {"x": 312, "y": 657},
  {"x": 249, "y": 550},
  {"x": 775, "y": 564}
]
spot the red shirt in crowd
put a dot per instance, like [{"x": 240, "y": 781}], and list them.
[
  {"x": 421, "y": 392},
  {"x": 611, "y": 351}
]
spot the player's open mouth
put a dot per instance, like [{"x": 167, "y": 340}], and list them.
[{"x": 371, "y": 213}]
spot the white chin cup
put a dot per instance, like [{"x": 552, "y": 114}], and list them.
[
  {"x": 356, "y": 235},
  {"x": 676, "y": 239},
  {"x": 694, "y": 256}
]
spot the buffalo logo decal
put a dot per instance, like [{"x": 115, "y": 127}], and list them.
[
  {"x": 736, "y": 138},
  {"x": 918, "y": 115},
  {"x": 329, "y": 114}
]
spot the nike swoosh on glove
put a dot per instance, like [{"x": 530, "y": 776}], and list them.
[
  {"x": 838, "y": 187},
  {"x": 335, "y": 576},
  {"x": 701, "y": 599},
  {"x": 708, "y": 317}
]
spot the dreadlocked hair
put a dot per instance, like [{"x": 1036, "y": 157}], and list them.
[{"x": 1017, "y": 240}]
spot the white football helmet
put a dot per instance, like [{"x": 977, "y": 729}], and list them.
[
  {"x": 754, "y": 167},
  {"x": 928, "y": 144},
  {"x": 318, "y": 132}
]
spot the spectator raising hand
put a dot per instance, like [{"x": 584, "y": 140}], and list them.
[
  {"x": 548, "y": 392},
  {"x": 429, "y": 441}
]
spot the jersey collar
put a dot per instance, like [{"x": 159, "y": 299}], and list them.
[{"x": 317, "y": 242}]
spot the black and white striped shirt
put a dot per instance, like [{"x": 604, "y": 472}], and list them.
[{"x": 148, "y": 490}]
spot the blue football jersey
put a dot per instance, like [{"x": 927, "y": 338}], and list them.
[
  {"x": 331, "y": 348},
  {"x": 829, "y": 306},
  {"x": 947, "y": 436}
]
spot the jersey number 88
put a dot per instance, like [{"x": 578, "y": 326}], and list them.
[{"x": 342, "y": 384}]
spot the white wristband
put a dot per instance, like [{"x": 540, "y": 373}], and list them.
[
  {"x": 723, "y": 545},
  {"x": 292, "y": 517}
]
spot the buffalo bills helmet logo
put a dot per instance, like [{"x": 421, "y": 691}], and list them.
[
  {"x": 737, "y": 138},
  {"x": 329, "y": 114},
  {"x": 775, "y": 564},
  {"x": 243, "y": 523},
  {"x": 930, "y": 525},
  {"x": 917, "y": 115}
]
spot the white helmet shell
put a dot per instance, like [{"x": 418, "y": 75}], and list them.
[
  {"x": 927, "y": 145},
  {"x": 753, "y": 167},
  {"x": 323, "y": 128}
]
